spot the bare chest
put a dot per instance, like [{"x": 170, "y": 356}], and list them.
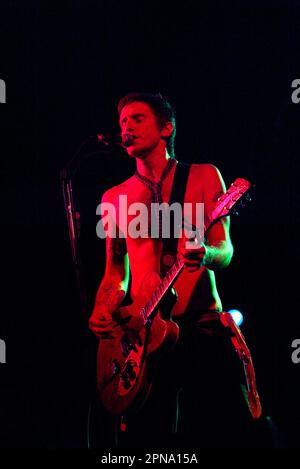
[{"x": 136, "y": 207}]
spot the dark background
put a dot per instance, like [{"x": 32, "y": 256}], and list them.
[{"x": 228, "y": 69}]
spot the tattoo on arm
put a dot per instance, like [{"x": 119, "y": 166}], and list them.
[
  {"x": 109, "y": 297},
  {"x": 112, "y": 291}
]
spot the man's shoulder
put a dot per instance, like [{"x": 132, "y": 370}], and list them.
[
  {"x": 111, "y": 194},
  {"x": 207, "y": 177},
  {"x": 204, "y": 168},
  {"x": 205, "y": 173}
]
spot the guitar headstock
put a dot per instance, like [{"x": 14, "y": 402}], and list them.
[{"x": 228, "y": 203}]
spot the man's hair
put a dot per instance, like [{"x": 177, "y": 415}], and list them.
[{"x": 163, "y": 110}]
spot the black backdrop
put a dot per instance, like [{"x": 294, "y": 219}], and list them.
[{"x": 228, "y": 68}]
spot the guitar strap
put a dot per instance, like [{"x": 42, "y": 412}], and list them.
[{"x": 169, "y": 251}]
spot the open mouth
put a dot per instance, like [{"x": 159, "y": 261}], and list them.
[
  {"x": 128, "y": 140},
  {"x": 132, "y": 139}
]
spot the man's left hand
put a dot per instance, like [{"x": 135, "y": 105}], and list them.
[{"x": 193, "y": 254}]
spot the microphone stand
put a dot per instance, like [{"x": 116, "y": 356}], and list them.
[
  {"x": 73, "y": 218},
  {"x": 72, "y": 214}
]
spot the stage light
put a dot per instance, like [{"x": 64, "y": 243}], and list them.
[{"x": 236, "y": 316}]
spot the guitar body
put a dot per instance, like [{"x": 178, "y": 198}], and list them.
[{"x": 127, "y": 360}]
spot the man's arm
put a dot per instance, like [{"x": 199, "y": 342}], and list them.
[
  {"x": 217, "y": 251},
  {"x": 113, "y": 286}
]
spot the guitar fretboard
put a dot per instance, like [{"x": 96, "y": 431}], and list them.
[{"x": 159, "y": 292}]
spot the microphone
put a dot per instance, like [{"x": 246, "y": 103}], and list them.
[
  {"x": 124, "y": 140},
  {"x": 127, "y": 140}
]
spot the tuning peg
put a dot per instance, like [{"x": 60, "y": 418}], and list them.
[
  {"x": 235, "y": 212},
  {"x": 248, "y": 197}
]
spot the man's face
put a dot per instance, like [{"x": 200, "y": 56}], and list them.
[{"x": 138, "y": 120}]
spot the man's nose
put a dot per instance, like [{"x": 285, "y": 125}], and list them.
[{"x": 129, "y": 126}]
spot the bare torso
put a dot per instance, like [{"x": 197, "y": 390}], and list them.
[{"x": 196, "y": 291}]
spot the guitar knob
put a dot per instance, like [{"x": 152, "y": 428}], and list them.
[{"x": 130, "y": 371}]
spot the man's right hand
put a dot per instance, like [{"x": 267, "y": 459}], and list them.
[
  {"x": 101, "y": 324},
  {"x": 127, "y": 321}
]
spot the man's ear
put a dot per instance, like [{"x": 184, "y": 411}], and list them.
[{"x": 167, "y": 129}]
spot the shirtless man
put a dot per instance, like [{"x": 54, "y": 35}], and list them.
[
  {"x": 196, "y": 287},
  {"x": 150, "y": 121}
]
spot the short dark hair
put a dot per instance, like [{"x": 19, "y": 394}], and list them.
[{"x": 162, "y": 109}]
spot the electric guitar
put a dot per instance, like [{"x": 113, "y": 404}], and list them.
[{"x": 126, "y": 363}]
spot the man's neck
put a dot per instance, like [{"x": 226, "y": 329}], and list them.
[{"x": 153, "y": 165}]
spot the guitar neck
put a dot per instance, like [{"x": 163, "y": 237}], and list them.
[{"x": 148, "y": 311}]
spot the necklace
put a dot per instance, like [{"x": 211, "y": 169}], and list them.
[
  {"x": 155, "y": 187},
  {"x": 156, "y": 195}
]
